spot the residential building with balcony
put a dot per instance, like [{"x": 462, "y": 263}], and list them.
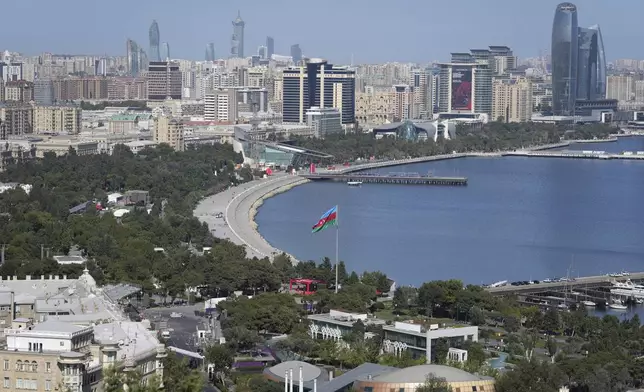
[{"x": 57, "y": 119}]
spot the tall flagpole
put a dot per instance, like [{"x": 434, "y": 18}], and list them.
[{"x": 337, "y": 242}]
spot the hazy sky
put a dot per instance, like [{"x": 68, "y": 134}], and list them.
[{"x": 372, "y": 30}]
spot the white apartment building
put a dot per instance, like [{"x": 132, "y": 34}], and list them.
[
  {"x": 221, "y": 105},
  {"x": 620, "y": 87}
]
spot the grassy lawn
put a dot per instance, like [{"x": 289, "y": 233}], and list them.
[{"x": 387, "y": 314}]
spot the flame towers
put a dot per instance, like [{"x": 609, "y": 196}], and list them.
[
  {"x": 155, "y": 36},
  {"x": 578, "y": 62},
  {"x": 564, "y": 59}
]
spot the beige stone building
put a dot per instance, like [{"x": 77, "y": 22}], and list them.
[
  {"x": 122, "y": 124},
  {"x": 169, "y": 130},
  {"x": 64, "y": 333},
  {"x": 19, "y": 91},
  {"x": 17, "y": 119},
  {"x": 375, "y": 108},
  {"x": 60, "y": 145},
  {"x": 512, "y": 100},
  {"x": 57, "y": 118}
]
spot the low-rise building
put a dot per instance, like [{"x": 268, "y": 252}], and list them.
[
  {"x": 61, "y": 145},
  {"x": 324, "y": 121},
  {"x": 399, "y": 338},
  {"x": 124, "y": 123},
  {"x": 61, "y": 334},
  {"x": 169, "y": 130}
]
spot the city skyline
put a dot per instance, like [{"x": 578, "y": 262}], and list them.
[{"x": 189, "y": 31}]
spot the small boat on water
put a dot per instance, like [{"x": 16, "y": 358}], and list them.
[
  {"x": 590, "y": 304},
  {"x": 617, "y": 305},
  {"x": 354, "y": 183}
]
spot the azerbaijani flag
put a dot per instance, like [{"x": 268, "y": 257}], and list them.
[{"x": 330, "y": 218}]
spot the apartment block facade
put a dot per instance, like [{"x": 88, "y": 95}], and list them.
[{"x": 57, "y": 118}]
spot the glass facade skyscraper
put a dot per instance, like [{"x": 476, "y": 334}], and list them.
[
  {"x": 155, "y": 37},
  {"x": 237, "y": 41},
  {"x": 587, "y": 64},
  {"x": 601, "y": 64},
  {"x": 564, "y": 59}
]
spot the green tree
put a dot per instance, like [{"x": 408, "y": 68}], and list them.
[
  {"x": 439, "y": 351},
  {"x": 434, "y": 384},
  {"x": 178, "y": 377},
  {"x": 221, "y": 358}
]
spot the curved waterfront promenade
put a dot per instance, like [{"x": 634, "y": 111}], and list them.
[{"x": 238, "y": 205}]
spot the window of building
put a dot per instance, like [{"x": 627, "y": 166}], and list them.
[
  {"x": 48, "y": 367},
  {"x": 18, "y": 365},
  {"x": 19, "y": 383},
  {"x": 368, "y": 389},
  {"x": 47, "y": 385},
  {"x": 7, "y": 382},
  {"x": 473, "y": 388},
  {"x": 6, "y": 364},
  {"x": 34, "y": 385},
  {"x": 34, "y": 366}
]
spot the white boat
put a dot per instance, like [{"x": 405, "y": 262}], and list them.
[
  {"x": 590, "y": 304},
  {"x": 617, "y": 304},
  {"x": 354, "y": 183}
]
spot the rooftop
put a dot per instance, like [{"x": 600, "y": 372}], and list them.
[
  {"x": 57, "y": 326},
  {"x": 125, "y": 117},
  {"x": 418, "y": 374},
  {"x": 134, "y": 340}
]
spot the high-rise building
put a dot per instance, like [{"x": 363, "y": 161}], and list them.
[
  {"x": 296, "y": 53},
  {"x": 237, "y": 41},
  {"x": 221, "y": 105},
  {"x": 210, "y": 52},
  {"x": 16, "y": 118},
  {"x": 601, "y": 64},
  {"x": 261, "y": 52},
  {"x": 564, "y": 57},
  {"x": 591, "y": 65},
  {"x": 19, "y": 91},
  {"x": 164, "y": 81},
  {"x": 465, "y": 84},
  {"x": 166, "y": 51},
  {"x": 44, "y": 91},
  {"x": 503, "y": 59},
  {"x": 133, "y": 58},
  {"x": 11, "y": 71},
  {"x": 155, "y": 38},
  {"x": 318, "y": 84},
  {"x": 620, "y": 87},
  {"x": 58, "y": 118},
  {"x": 403, "y": 98},
  {"x": 270, "y": 47},
  {"x": 512, "y": 100}
]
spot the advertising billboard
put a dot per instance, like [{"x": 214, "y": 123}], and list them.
[{"x": 462, "y": 88}]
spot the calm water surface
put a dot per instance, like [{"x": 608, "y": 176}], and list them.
[{"x": 518, "y": 219}]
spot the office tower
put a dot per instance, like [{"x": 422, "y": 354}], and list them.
[
  {"x": 237, "y": 41},
  {"x": 44, "y": 92},
  {"x": 166, "y": 51},
  {"x": 164, "y": 81},
  {"x": 587, "y": 66},
  {"x": 155, "y": 37},
  {"x": 512, "y": 100},
  {"x": 133, "y": 53},
  {"x": 270, "y": 47},
  {"x": 210, "y": 52},
  {"x": 465, "y": 84},
  {"x": 564, "y": 56},
  {"x": 403, "y": 98},
  {"x": 318, "y": 84},
  {"x": 296, "y": 53},
  {"x": 221, "y": 105},
  {"x": 261, "y": 52},
  {"x": 601, "y": 64},
  {"x": 591, "y": 68}
]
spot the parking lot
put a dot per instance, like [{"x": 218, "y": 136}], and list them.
[{"x": 182, "y": 329}]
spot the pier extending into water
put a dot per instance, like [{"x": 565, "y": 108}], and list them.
[
  {"x": 639, "y": 155},
  {"x": 391, "y": 178},
  {"x": 566, "y": 292}
]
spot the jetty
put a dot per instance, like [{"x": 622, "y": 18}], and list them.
[
  {"x": 639, "y": 155},
  {"x": 390, "y": 178}
]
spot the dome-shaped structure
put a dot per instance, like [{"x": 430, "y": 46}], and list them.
[{"x": 88, "y": 281}]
